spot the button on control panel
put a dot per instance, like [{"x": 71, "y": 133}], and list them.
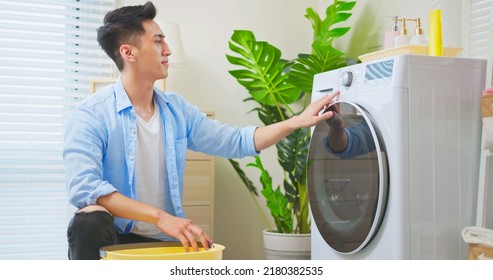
[{"x": 347, "y": 78}]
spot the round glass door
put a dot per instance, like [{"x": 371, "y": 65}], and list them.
[{"x": 347, "y": 178}]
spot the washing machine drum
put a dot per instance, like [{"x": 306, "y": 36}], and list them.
[{"x": 347, "y": 178}]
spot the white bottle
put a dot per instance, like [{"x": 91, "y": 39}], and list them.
[
  {"x": 418, "y": 37},
  {"x": 403, "y": 38},
  {"x": 390, "y": 35}
]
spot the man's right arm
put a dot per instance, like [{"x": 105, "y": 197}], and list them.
[{"x": 182, "y": 229}]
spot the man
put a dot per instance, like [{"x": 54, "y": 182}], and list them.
[{"x": 125, "y": 146}]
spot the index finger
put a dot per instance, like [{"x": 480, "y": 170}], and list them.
[{"x": 334, "y": 95}]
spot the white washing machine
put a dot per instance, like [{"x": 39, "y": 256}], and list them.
[{"x": 405, "y": 182}]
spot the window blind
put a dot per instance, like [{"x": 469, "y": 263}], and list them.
[
  {"x": 478, "y": 33},
  {"x": 48, "y": 55}
]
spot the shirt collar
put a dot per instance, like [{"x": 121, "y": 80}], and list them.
[{"x": 122, "y": 100}]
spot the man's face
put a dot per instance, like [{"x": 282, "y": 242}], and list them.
[{"x": 153, "y": 52}]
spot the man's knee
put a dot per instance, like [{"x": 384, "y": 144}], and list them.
[
  {"x": 93, "y": 218},
  {"x": 92, "y": 208},
  {"x": 90, "y": 228}
]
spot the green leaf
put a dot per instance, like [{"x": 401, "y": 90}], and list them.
[
  {"x": 276, "y": 201},
  {"x": 338, "y": 32},
  {"x": 325, "y": 58},
  {"x": 262, "y": 74},
  {"x": 345, "y": 6},
  {"x": 314, "y": 19},
  {"x": 248, "y": 183},
  {"x": 292, "y": 151},
  {"x": 270, "y": 114},
  {"x": 335, "y": 13}
]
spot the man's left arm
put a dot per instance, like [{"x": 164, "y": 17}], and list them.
[{"x": 269, "y": 135}]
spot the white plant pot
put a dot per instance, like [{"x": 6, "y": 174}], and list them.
[{"x": 283, "y": 246}]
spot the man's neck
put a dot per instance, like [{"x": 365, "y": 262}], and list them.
[{"x": 140, "y": 92}]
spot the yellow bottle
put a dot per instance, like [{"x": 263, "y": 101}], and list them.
[{"x": 435, "y": 41}]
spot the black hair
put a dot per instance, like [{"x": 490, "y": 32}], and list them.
[{"x": 123, "y": 26}]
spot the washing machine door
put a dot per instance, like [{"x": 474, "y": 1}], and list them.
[{"x": 347, "y": 178}]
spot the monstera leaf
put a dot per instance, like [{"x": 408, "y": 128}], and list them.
[
  {"x": 305, "y": 67},
  {"x": 292, "y": 151},
  {"x": 270, "y": 114},
  {"x": 248, "y": 183},
  {"x": 262, "y": 72},
  {"x": 324, "y": 56},
  {"x": 335, "y": 13}
]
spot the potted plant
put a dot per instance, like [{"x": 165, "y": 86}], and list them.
[{"x": 277, "y": 86}]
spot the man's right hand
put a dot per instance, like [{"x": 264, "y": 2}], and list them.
[{"x": 184, "y": 230}]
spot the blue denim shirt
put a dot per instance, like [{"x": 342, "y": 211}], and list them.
[
  {"x": 360, "y": 142},
  {"x": 100, "y": 139}
]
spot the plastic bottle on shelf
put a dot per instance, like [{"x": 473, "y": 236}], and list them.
[
  {"x": 418, "y": 37},
  {"x": 435, "y": 46},
  {"x": 403, "y": 38},
  {"x": 390, "y": 35}
]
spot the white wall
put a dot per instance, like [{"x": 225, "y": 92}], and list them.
[{"x": 206, "y": 27}]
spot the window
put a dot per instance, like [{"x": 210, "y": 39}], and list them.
[
  {"x": 479, "y": 35},
  {"x": 48, "y": 55}
]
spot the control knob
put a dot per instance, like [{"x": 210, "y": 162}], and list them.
[{"x": 347, "y": 78}]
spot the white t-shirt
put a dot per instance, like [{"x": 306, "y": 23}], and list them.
[{"x": 150, "y": 171}]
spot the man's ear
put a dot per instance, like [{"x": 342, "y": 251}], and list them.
[{"x": 128, "y": 52}]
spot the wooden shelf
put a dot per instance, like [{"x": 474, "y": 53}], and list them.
[{"x": 198, "y": 189}]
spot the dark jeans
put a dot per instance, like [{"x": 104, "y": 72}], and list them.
[{"x": 87, "y": 232}]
